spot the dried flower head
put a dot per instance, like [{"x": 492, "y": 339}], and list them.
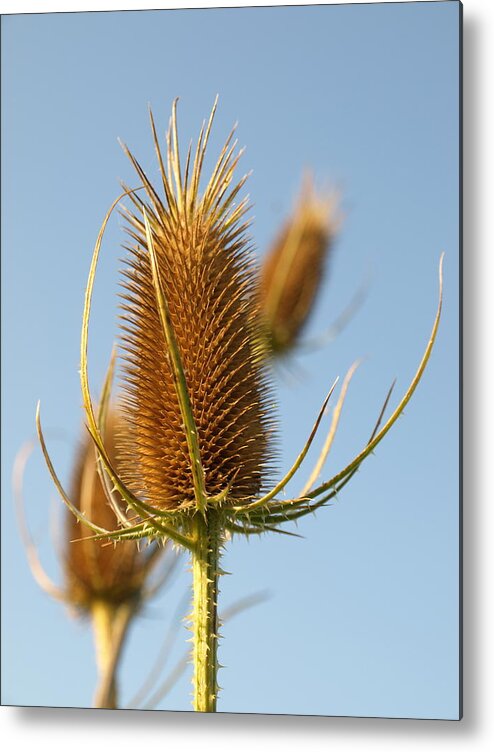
[
  {"x": 208, "y": 279},
  {"x": 94, "y": 570},
  {"x": 106, "y": 583},
  {"x": 294, "y": 267}
]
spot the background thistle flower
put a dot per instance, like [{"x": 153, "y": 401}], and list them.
[
  {"x": 108, "y": 584},
  {"x": 97, "y": 572},
  {"x": 294, "y": 267}
]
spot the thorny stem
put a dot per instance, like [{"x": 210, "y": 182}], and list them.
[
  {"x": 205, "y": 570},
  {"x": 110, "y": 626}
]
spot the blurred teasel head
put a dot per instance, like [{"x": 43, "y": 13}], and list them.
[
  {"x": 108, "y": 584},
  {"x": 206, "y": 275},
  {"x": 95, "y": 571},
  {"x": 294, "y": 267}
]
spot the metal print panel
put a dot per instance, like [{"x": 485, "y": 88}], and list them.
[{"x": 231, "y": 378}]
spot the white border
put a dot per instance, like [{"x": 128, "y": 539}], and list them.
[
  {"x": 44, "y": 6},
  {"x": 59, "y": 730}
]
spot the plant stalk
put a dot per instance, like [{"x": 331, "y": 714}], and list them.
[
  {"x": 205, "y": 569},
  {"x": 110, "y": 626}
]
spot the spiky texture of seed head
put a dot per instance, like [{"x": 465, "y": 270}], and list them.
[
  {"x": 95, "y": 570},
  {"x": 294, "y": 267},
  {"x": 208, "y": 279}
]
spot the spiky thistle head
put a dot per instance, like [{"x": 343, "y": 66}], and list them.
[
  {"x": 94, "y": 570},
  {"x": 194, "y": 393},
  {"x": 197, "y": 419},
  {"x": 293, "y": 269}
]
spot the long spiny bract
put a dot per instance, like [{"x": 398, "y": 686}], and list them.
[
  {"x": 264, "y": 513},
  {"x": 206, "y": 272}
]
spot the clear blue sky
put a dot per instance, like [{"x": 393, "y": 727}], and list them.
[{"x": 363, "y": 614}]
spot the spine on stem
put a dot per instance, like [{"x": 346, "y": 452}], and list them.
[{"x": 205, "y": 569}]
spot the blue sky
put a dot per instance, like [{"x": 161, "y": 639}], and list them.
[{"x": 363, "y": 613}]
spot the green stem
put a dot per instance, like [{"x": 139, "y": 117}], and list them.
[
  {"x": 205, "y": 568},
  {"x": 110, "y": 626}
]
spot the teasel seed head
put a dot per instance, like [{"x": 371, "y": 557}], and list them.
[
  {"x": 208, "y": 280},
  {"x": 98, "y": 571},
  {"x": 294, "y": 267}
]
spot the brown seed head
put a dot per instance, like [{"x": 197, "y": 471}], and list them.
[
  {"x": 293, "y": 269},
  {"x": 94, "y": 569},
  {"x": 208, "y": 278}
]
